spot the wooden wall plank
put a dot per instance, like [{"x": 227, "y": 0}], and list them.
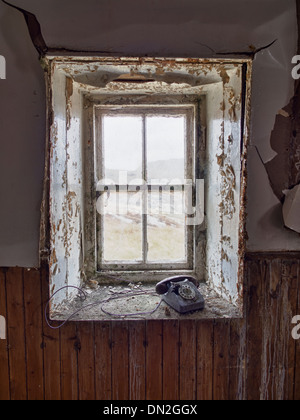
[
  {"x": 69, "y": 361},
  {"x": 103, "y": 363},
  {"x": 34, "y": 337},
  {"x": 290, "y": 279},
  {"x": 16, "y": 333},
  {"x": 254, "y": 300},
  {"x": 137, "y": 360},
  {"x": 171, "y": 360},
  {"x": 51, "y": 346},
  {"x": 237, "y": 360},
  {"x": 253, "y": 358},
  {"x": 267, "y": 312},
  {"x": 274, "y": 334},
  {"x": 205, "y": 349},
  {"x": 154, "y": 360},
  {"x": 188, "y": 360},
  {"x": 297, "y": 372},
  {"x": 221, "y": 360},
  {"x": 297, "y": 348},
  {"x": 4, "y": 362},
  {"x": 120, "y": 360},
  {"x": 86, "y": 361}
]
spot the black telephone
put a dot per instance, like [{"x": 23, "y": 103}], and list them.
[{"x": 181, "y": 293}]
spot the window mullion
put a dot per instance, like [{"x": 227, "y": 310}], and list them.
[{"x": 145, "y": 193}]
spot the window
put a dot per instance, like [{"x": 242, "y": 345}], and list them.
[
  {"x": 147, "y": 173},
  {"x": 143, "y": 160}
]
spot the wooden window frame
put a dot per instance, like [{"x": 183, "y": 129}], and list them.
[{"x": 188, "y": 112}]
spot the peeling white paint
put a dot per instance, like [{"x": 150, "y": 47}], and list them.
[
  {"x": 291, "y": 209},
  {"x": 283, "y": 113},
  {"x": 65, "y": 188}
]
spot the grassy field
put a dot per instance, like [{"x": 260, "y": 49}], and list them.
[{"x": 123, "y": 239}]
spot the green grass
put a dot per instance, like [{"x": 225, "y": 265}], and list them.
[{"x": 123, "y": 241}]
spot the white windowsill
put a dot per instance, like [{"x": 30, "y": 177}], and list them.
[{"x": 89, "y": 309}]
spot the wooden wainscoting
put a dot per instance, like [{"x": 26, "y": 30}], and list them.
[{"x": 253, "y": 358}]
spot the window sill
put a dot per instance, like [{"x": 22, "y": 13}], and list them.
[{"x": 138, "y": 305}]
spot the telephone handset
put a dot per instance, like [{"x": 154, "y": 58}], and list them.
[{"x": 181, "y": 293}]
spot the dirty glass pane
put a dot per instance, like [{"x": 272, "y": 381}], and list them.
[
  {"x": 122, "y": 147},
  {"x": 122, "y": 227},
  {"x": 166, "y": 231},
  {"x": 165, "y": 147}
]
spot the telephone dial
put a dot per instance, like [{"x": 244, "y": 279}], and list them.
[{"x": 181, "y": 293}]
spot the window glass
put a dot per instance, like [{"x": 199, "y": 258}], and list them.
[
  {"x": 122, "y": 227},
  {"x": 165, "y": 147},
  {"x": 166, "y": 226},
  {"x": 146, "y": 225},
  {"x": 122, "y": 146}
]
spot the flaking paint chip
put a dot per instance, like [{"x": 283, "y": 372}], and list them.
[
  {"x": 291, "y": 209},
  {"x": 283, "y": 113}
]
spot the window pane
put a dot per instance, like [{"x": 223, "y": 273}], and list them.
[
  {"x": 122, "y": 226},
  {"x": 166, "y": 226},
  {"x": 123, "y": 147},
  {"x": 165, "y": 147}
]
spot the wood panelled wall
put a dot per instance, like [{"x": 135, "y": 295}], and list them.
[{"x": 253, "y": 358}]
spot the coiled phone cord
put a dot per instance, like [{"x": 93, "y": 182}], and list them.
[{"x": 102, "y": 303}]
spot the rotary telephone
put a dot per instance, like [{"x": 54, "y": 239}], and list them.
[{"x": 181, "y": 293}]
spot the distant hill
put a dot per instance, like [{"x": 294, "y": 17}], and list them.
[
  {"x": 170, "y": 169},
  {"x": 161, "y": 169}
]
